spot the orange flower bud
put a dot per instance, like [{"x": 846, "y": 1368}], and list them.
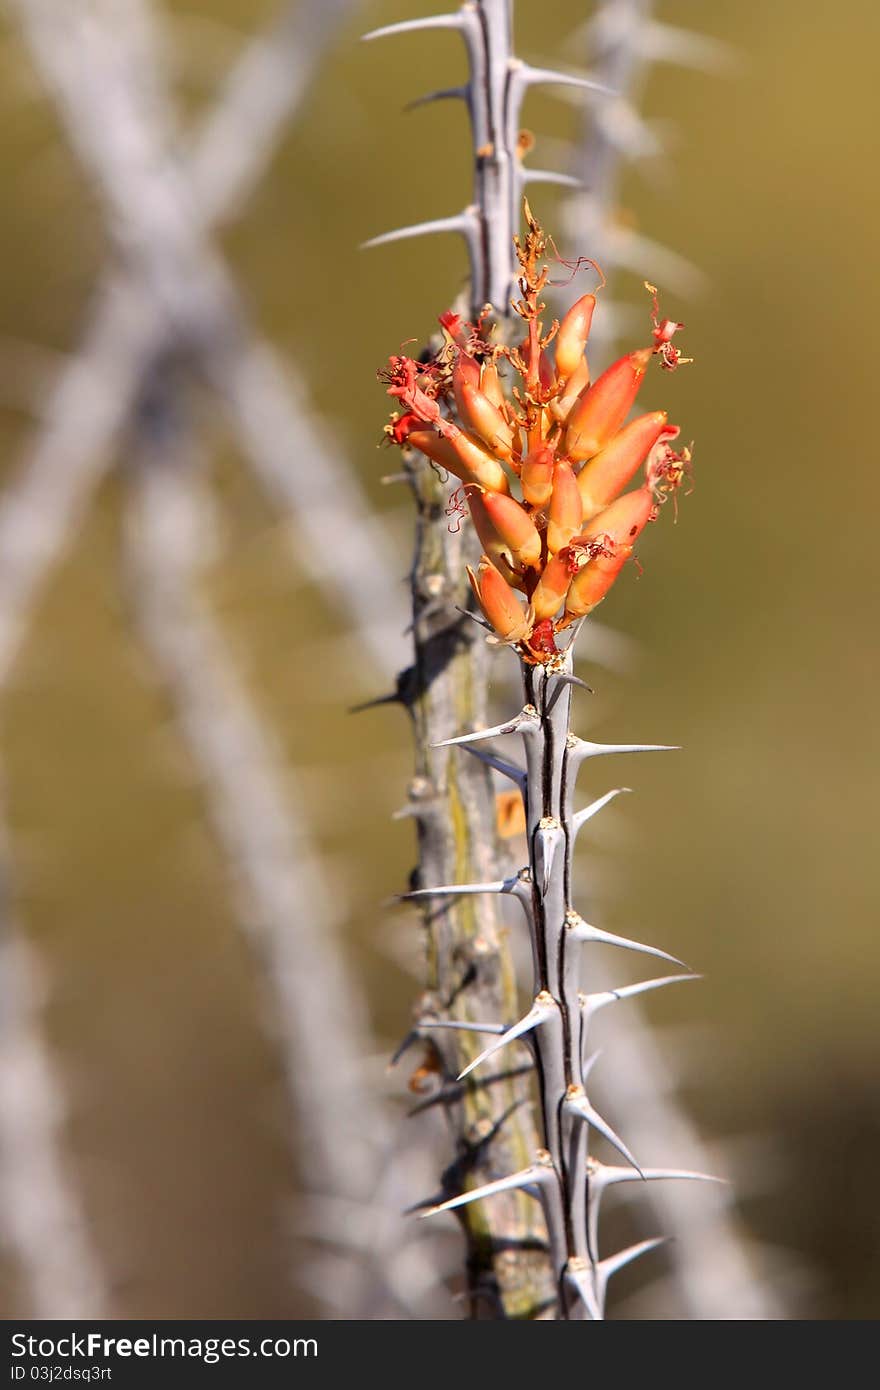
[
  {"x": 552, "y": 587},
  {"x": 499, "y": 603},
  {"x": 576, "y": 384},
  {"x": 606, "y": 475},
  {"x": 537, "y": 476},
  {"x": 515, "y": 529},
  {"x": 599, "y": 411},
  {"x": 458, "y": 453},
  {"x": 571, "y": 340},
  {"x": 490, "y": 385},
  {"x": 486, "y": 470},
  {"x": 466, "y": 368},
  {"x": 480, "y": 415},
  {"x": 492, "y": 544},
  {"x": 436, "y": 447},
  {"x": 565, "y": 512},
  {"x": 623, "y": 522},
  {"x": 591, "y": 584}
]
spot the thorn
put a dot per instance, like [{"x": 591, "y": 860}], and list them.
[
  {"x": 608, "y": 1267},
  {"x": 519, "y": 886},
  {"x": 592, "y": 1003},
  {"x": 580, "y": 748},
  {"x": 665, "y": 43},
  {"x": 516, "y": 774},
  {"x": 475, "y": 618},
  {"x": 528, "y": 176},
  {"x": 604, "y": 1175},
  {"x": 422, "y": 1207},
  {"x": 560, "y": 683},
  {"x": 442, "y": 94},
  {"x": 409, "y": 26},
  {"x": 541, "y": 1010},
  {"x": 407, "y": 1042},
  {"x": 526, "y": 721},
  {"x": 581, "y": 817},
  {"x": 525, "y": 75},
  {"x": 576, "y": 1103},
  {"x": 464, "y": 1027},
  {"x": 462, "y": 223},
  {"x": 498, "y": 885},
  {"x": 393, "y": 698},
  {"x": 573, "y": 633},
  {"x": 549, "y": 839},
  {"x": 569, "y": 679},
  {"x": 583, "y": 931},
  {"x": 402, "y": 694},
  {"x": 451, "y": 1093},
  {"x": 528, "y": 1180},
  {"x": 579, "y": 1273}
]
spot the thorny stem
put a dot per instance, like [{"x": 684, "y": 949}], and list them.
[
  {"x": 470, "y": 971},
  {"x": 559, "y": 1043}
]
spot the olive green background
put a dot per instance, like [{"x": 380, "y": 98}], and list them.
[{"x": 752, "y": 853}]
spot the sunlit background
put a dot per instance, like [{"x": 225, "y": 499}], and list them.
[{"x": 751, "y": 854}]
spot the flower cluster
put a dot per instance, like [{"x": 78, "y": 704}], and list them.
[{"x": 542, "y": 465}]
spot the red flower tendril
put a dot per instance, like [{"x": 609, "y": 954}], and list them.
[{"x": 457, "y": 509}]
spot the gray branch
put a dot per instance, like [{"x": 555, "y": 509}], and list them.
[
  {"x": 42, "y": 1219},
  {"x": 173, "y": 296}
]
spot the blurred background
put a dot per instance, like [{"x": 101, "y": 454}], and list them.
[{"x": 138, "y": 1013}]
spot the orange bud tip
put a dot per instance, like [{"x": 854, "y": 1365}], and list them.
[
  {"x": 607, "y": 474},
  {"x": 485, "y": 419},
  {"x": 599, "y": 412},
  {"x": 536, "y": 476},
  {"x": 515, "y": 528},
  {"x": 552, "y": 586},
  {"x": 592, "y": 582},
  {"x": 499, "y": 603},
  {"x": 623, "y": 521},
  {"x": 565, "y": 512},
  {"x": 576, "y": 384},
  {"x": 490, "y": 385},
  {"x": 571, "y": 340},
  {"x": 466, "y": 369}
]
